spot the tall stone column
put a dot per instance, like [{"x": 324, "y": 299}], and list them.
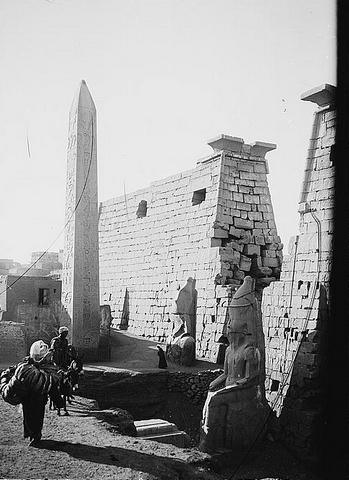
[{"x": 80, "y": 283}]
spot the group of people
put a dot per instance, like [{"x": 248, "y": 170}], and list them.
[{"x": 36, "y": 378}]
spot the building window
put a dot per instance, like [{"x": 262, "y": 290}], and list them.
[
  {"x": 44, "y": 297},
  {"x": 198, "y": 196},
  {"x": 142, "y": 209}
]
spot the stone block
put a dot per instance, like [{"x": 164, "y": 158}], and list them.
[
  {"x": 121, "y": 420},
  {"x": 216, "y": 242},
  {"x": 252, "y": 199},
  {"x": 237, "y": 197},
  {"x": 226, "y": 143},
  {"x": 243, "y": 224},
  {"x": 244, "y": 206},
  {"x": 259, "y": 240},
  {"x": 321, "y": 95},
  {"x": 251, "y": 249},
  {"x": 238, "y": 274},
  {"x": 220, "y": 233},
  {"x": 246, "y": 238},
  {"x": 245, "y": 263},
  {"x": 257, "y": 216},
  {"x": 245, "y": 189},
  {"x": 235, "y": 245},
  {"x": 260, "y": 149},
  {"x": 222, "y": 291},
  {"x": 269, "y": 253},
  {"x": 265, "y": 271}
]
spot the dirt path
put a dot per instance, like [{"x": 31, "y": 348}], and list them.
[{"x": 80, "y": 446}]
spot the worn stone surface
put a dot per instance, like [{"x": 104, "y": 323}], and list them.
[
  {"x": 214, "y": 241},
  {"x": 296, "y": 309},
  {"x": 193, "y": 385},
  {"x": 80, "y": 279},
  {"x": 143, "y": 395},
  {"x": 162, "y": 431},
  {"x": 181, "y": 350},
  {"x": 235, "y": 417},
  {"x": 13, "y": 342},
  {"x": 121, "y": 421}
]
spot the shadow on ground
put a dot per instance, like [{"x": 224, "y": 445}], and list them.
[{"x": 162, "y": 467}]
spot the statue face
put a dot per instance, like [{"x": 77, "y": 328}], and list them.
[{"x": 235, "y": 336}]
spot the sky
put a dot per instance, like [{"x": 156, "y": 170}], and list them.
[{"x": 166, "y": 76}]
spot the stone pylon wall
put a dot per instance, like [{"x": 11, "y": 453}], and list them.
[
  {"x": 144, "y": 259},
  {"x": 296, "y": 309},
  {"x": 213, "y": 223}
]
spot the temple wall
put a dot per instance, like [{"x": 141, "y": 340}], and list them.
[
  {"x": 144, "y": 259},
  {"x": 296, "y": 309},
  {"x": 213, "y": 224}
]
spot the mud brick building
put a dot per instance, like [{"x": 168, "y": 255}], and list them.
[
  {"x": 209, "y": 226},
  {"x": 30, "y": 308},
  {"x": 296, "y": 310}
]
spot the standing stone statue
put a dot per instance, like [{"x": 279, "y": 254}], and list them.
[
  {"x": 235, "y": 411},
  {"x": 181, "y": 344},
  {"x": 80, "y": 279}
]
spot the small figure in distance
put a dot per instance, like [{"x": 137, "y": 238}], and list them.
[{"x": 162, "y": 358}]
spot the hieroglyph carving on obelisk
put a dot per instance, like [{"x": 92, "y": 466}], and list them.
[{"x": 80, "y": 282}]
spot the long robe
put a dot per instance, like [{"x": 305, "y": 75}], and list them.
[{"x": 33, "y": 415}]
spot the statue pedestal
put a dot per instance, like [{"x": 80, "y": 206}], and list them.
[{"x": 234, "y": 418}]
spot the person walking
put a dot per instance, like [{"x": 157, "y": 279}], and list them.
[
  {"x": 59, "y": 347},
  {"x": 30, "y": 383}
]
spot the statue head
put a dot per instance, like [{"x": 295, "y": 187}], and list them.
[{"x": 240, "y": 321}]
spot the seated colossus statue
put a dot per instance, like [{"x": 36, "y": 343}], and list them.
[{"x": 235, "y": 410}]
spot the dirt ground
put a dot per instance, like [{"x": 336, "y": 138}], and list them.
[{"x": 81, "y": 446}]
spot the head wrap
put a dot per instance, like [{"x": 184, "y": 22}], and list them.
[
  {"x": 38, "y": 350},
  {"x": 63, "y": 329}
]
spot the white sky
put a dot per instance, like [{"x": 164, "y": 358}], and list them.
[{"x": 166, "y": 76}]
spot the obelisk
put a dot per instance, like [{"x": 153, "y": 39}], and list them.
[{"x": 80, "y": 282}]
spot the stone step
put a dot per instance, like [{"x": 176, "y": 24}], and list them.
[
  {"x": 161, "y": 431},
  {"x": 154, "y": 426},
  {"x": 179, "y": 439}
]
